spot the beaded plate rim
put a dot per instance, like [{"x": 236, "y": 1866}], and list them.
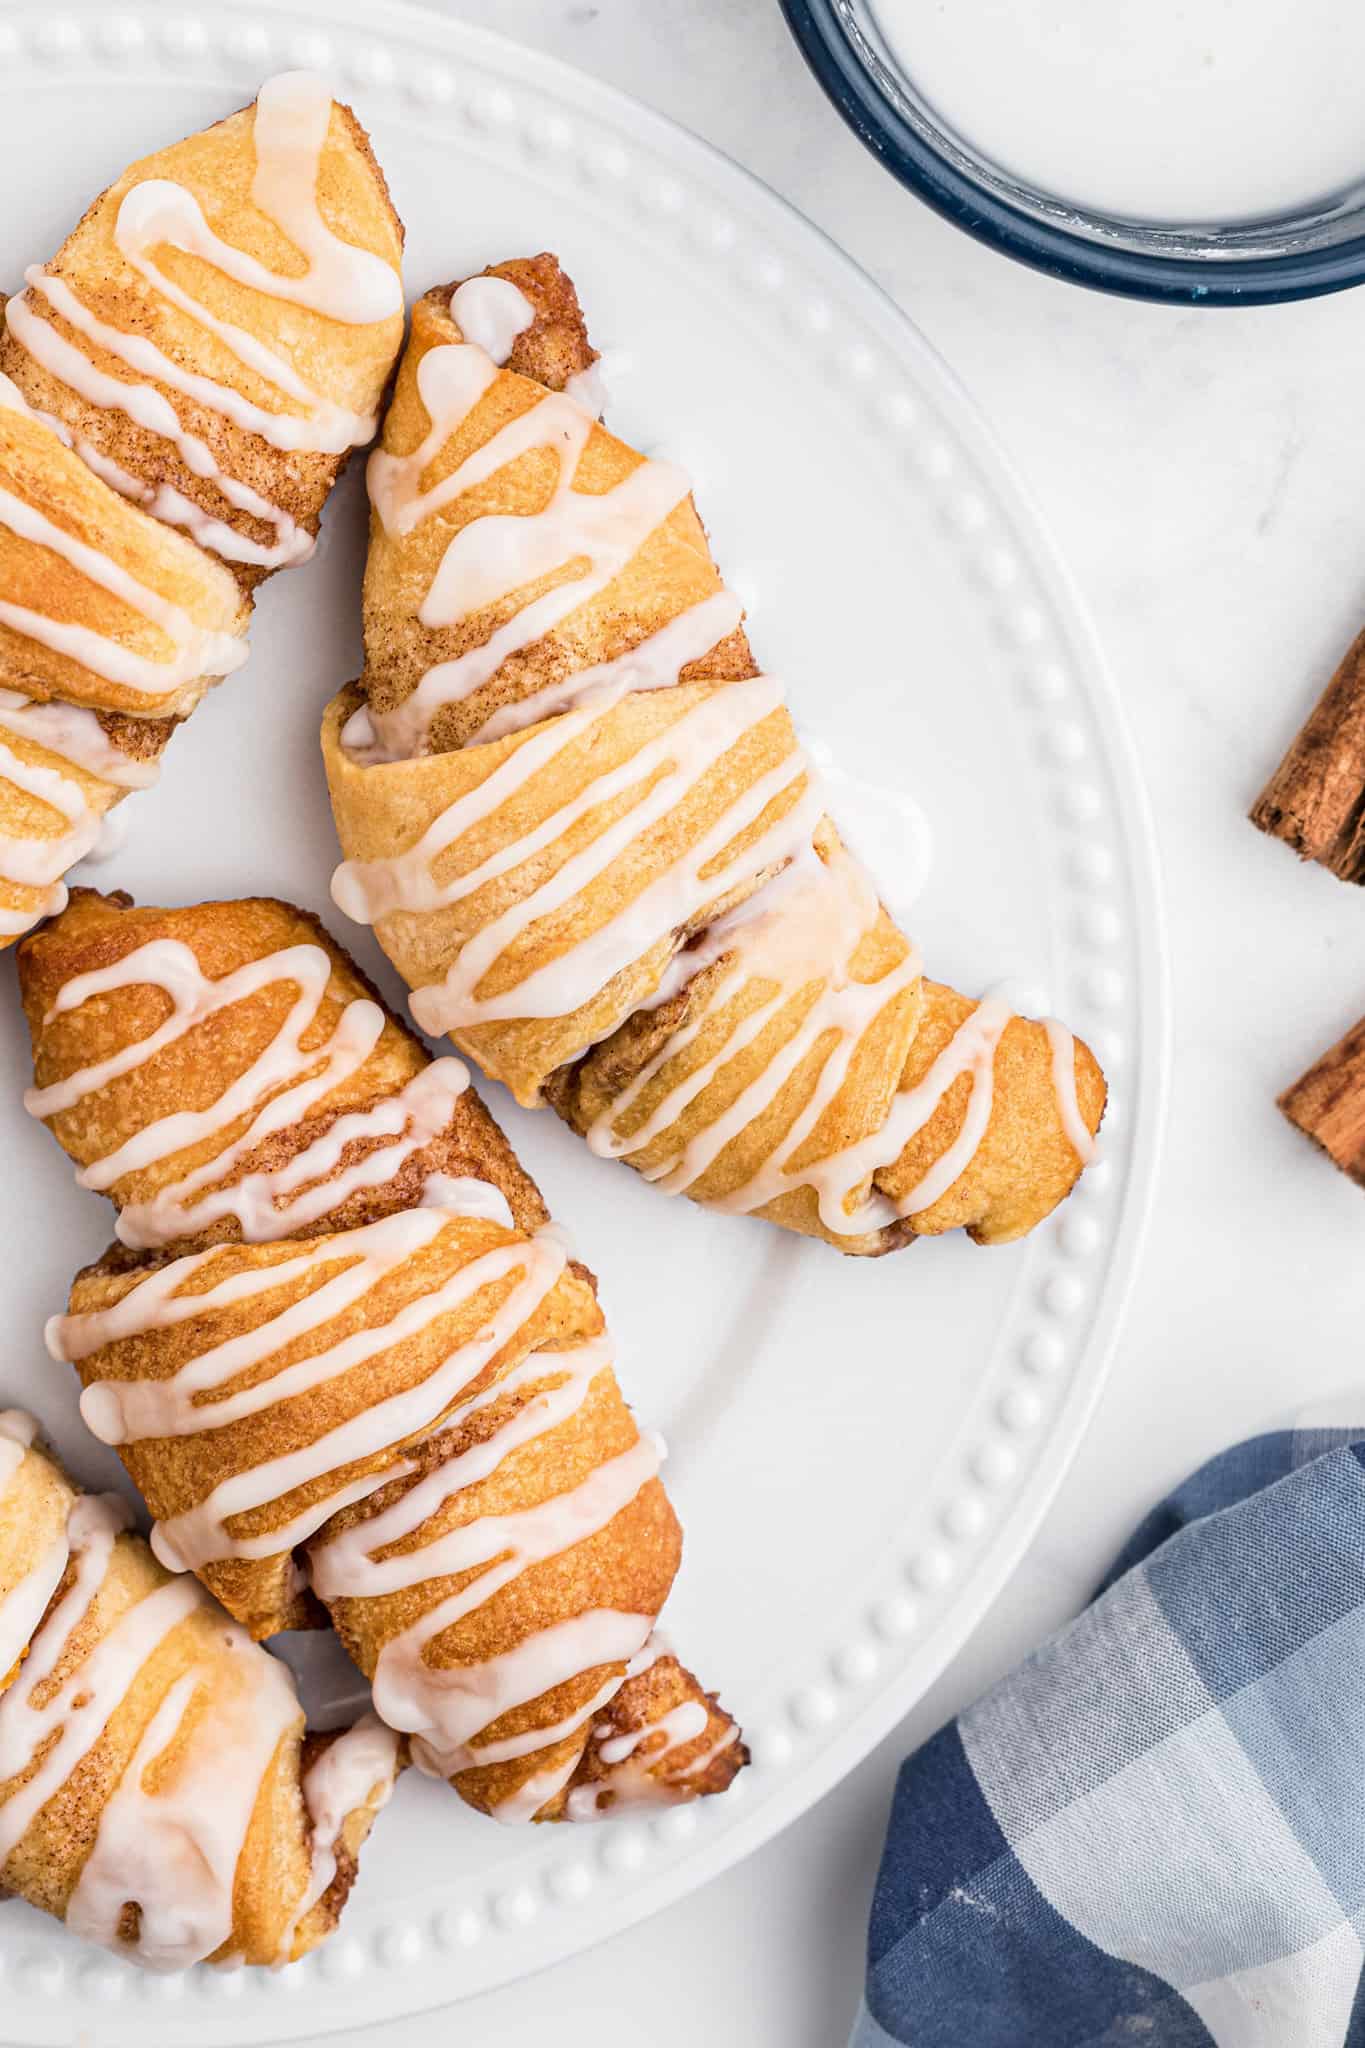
[{"x": 1059, "y": 1330}]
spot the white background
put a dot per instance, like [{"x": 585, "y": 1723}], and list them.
[{"x": 1203, "y": 475}]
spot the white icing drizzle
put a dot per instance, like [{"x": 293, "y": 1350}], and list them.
[
  {"x": 588, "y": 389},
  {"x": 802, "y": 926},
  {"x": 492, "y": 557},
  {"x": 40, "y": 862},
  {"x": 75, "y": 734},
  {"x": 453, "y": 1705},
  {"x": 682, "y": 1724},
  {"x": 67, "y": 1726},
  {"x": 197, "y": 651},
  {"x": 970, "y": 1050},
  {"x": 490, "y": 313},
  {"x": 439, "y": 1706},
  {"x": 110, "y": 838},
  {"x": 282, "y": 1085},
  {"x": 126, "y": 1411},
  {"x": 292, "y": 544},
  {"x": 1078, "y": 1132},
  {"x": 445, "y": 1708},
  {"x": 470, "y": 1198},
  {"x": 645, "y": 1659},
  {"x": 175, "y": 1851},
  {"x": 331, "y": 430},
  {"x": 17, "y": 1426},
  {"x": 525, "y": 1802},
  {"x": 633, "y": 1781},
  {"x": 655, "y": 663},
  {"x": 355, "y": 1772},
  {"x": 884, "y": 827},
  {"x": 172, "y": 1851},
  {"x": 23, "y": 1607},
  {"x": 509, "y": 1747},
  {"x": 685, "y": 754},
  {"x": 26, "y": 1605},
  {"x": 806, "y": 922},
  {"x": 339, "y": 281},
  {"x": 14, "y": 922},
  {"x": 152, "y": 410}
]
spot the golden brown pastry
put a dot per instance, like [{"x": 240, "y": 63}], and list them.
[
  {"x": 344, "y": 1356},
  {"x": 587, "y": 835},
  {"x": 157, "y": 1792},
  {"x": 178, "y": 390}
]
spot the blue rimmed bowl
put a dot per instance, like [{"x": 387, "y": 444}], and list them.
[{"x": 1297, "y": 255}]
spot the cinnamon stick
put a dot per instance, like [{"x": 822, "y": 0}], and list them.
[
  {"x": 1315, "y": 800},
  {"x": 1328, "y": 1104}
]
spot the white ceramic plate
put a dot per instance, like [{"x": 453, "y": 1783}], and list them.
[{"x": 860, "y": 1451}]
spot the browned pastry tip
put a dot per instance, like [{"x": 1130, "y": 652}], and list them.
[
  {"x": 553, "y": 349},
  {"x": 674, "y": 570},
  {"x": 661, "y": 1739},
  {"x": 555, "y": 346}
]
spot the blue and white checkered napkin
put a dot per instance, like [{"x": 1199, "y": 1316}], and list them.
[{"x": 1153, "y": 1834}]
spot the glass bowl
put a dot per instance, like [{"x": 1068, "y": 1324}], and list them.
[{"x": 1297, "y": 255}]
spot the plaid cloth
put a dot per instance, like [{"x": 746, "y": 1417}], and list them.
[{"x": 1153, "y": 1834}]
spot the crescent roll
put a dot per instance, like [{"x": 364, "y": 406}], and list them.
[
  {"x": 346, "y": 1358},
  {"x": 157, "y": 1791},
  {"x": 587, "y": 835},
  {"x": 179, "y": 387}
]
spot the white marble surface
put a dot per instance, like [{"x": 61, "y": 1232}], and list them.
[{"x": 1202, "y": 473}]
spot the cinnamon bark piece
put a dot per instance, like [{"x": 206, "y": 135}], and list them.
[
  {"x": 1328, "y": 1103},
  {"x": 1315, "y": 800}
]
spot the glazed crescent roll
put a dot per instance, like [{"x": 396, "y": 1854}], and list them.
[
  {"x": 345, "y": 1357},
  {"x": 587, "y": 835},
  {"x": 157, "y": 1792},
  {"x": 178, "y": 390}
]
